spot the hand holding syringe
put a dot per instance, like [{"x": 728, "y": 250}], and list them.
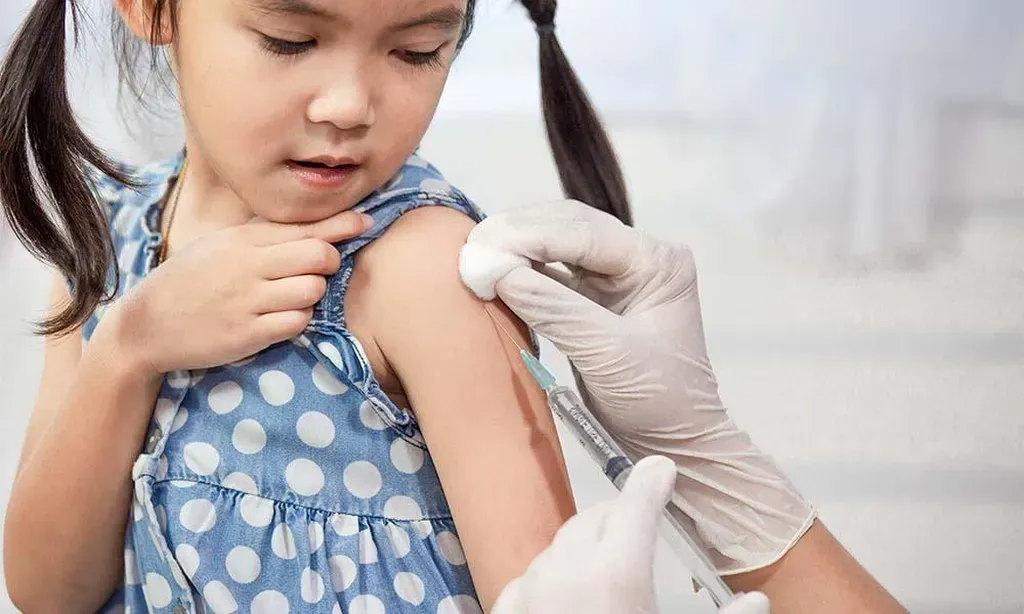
[
  {"x": 573, "y": 413},
  {"x": 568, "y": 407}
]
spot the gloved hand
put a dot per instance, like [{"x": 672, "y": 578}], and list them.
[
  {"x": 602, "y": 560},
  {"x": 629, "y": 319}
]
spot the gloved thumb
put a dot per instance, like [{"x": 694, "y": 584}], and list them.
[
  {"x": 573, "y": 323},
  {"x": 749, "y": 603},
  {"x": 641, "y": 503}
]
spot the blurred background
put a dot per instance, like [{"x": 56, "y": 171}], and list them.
[{"x": 847, "y": 173}]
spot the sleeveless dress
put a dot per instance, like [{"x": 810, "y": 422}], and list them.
[{"x": 287, "y": 481}]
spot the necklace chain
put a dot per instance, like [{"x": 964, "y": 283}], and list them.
[{"x": 166, "y": 230}]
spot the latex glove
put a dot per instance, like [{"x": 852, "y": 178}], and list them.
[
  {"x": 602, "y": 560},
  {"x": 629, "y": 319},
  {"x": 749, "y": 603}
]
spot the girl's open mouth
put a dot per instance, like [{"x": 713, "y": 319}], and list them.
[{"x": 320, "y": 175}]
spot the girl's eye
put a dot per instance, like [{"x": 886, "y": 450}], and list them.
[
  {"x": 280, "y": 46},
  {"x": 421, "y": 58}
]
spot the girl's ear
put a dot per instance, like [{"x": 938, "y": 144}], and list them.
[{"x": 138, "y": 16}]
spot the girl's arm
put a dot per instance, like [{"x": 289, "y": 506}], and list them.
[
  {"x": 65, "y": 524},
  {"x": 224, "y": 297},
  {"x": 490, "y": 433}
]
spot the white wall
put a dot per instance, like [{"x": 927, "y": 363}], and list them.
[{"x": 864, "y": 335}]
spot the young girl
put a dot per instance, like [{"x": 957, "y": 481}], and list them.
[{"x": 282, "y": 376}]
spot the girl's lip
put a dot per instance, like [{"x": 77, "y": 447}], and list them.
[
  {"x": 329, "y": 161},
  {"x": 322, "y": 177}
]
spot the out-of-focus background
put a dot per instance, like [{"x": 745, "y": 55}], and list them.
[{"x": 847, "y": 172}]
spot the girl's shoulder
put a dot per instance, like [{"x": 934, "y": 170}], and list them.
[
  {"x": 416, "y": 185},
  {"x": 127, "y": 205}
]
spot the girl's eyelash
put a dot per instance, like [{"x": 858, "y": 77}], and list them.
[
  {"x": 428, "y": 59},
  {"x": 279, "y": 46}
]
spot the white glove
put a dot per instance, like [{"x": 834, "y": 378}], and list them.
[
  {"x": 602, "y": 560},
  {"x": 748, "y": 603},
  {"x": 634, "y": 333}
]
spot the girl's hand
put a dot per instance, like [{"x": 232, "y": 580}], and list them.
[{"x": 231, "y": 294}]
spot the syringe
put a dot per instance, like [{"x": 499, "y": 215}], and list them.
[{"x": 571, "y": 411}]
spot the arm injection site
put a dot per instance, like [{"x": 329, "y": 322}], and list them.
[{"x": 481, "y": 266}]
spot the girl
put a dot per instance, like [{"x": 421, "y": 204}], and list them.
[{"x": 284, "y": 391}]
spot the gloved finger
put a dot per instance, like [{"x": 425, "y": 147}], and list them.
[
  {"x": 567, "y": 231},
  {"x": 567, "y": 278},
  {"x": 749, "y": 603},
  {"x": 581, "y": 533},
  {"x": 511, "y": 600},
  {"x": 640, "y": 506},
  {"x": 573, "y": 323}
]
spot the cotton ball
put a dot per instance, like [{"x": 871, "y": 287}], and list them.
[{"x": 481, "y": 267}]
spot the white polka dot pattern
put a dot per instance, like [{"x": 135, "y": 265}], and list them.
[
  {"x": 311, "y": 586},
  {"x": 362, "y": 479},
  {"x": 282, "y": 542},
  {"x": 158, "y": 591},
  {"x": 315, "y": 429},
  {"x": 270, "y": 602},
  {"x": 277, "y": 388},
  {"x": 304, "y": 477},
  {"x": 219, "y": 598},
  {"x": 410, "y": 587},
  {"x": 225, "y": 397},
  {"x": 198, "y": 515},
  {"x": 366, "y": 604},
  {"x": 287, "y": 481},
  {"x": 243, "y": 564},
  {"x": 343, "y": 571}
]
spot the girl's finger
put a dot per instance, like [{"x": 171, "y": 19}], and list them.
[
  {"x": 338, "y": 227},
  {"x": 303, "y": 257},
  {"x": 289, "y": 293},
  {"x": 277, "y": 326}
]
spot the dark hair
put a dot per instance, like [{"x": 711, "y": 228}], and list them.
[
  {"x": 586, "y": 161},
  {"x": 46, "y": 160},
  {"x": 43, "y": 164}
]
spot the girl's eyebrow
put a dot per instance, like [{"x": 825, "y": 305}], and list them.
[
  {"x": 290, "y": 7},
  {"x": 446, "y": 18}
]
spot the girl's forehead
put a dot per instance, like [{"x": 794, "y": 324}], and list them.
[{"x": 447, "y": 14}]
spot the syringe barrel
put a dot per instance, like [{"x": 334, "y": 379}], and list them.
[{"x": 567, "y": 405}]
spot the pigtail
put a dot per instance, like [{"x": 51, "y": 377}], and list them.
[
  {"x": 44, "y": 161},
  {"x": 586, "y": 161}
]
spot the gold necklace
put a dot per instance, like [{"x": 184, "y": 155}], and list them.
[{"x": 166, "y": 230}]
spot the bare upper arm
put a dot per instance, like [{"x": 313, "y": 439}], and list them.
[
  {"x": 60, "y": 363},
  {"x": 490, "y": 433}
]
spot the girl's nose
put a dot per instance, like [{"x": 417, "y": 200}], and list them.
[{"x": 347, "y": 104}]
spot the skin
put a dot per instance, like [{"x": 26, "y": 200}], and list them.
[
  {"x": 490, "y": 432},
  {"x": 818, "y": 575},
  {"x": 358, "y": 91}
]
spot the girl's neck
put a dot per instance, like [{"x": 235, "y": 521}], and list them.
[
  {"x": 205, "y": 205},
  {"x": 208, "y": 201}
]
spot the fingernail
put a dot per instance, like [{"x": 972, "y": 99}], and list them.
[{"x": 367, "y": 220}]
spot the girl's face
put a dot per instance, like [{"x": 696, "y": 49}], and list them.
[{"x": 304, "y": 107}]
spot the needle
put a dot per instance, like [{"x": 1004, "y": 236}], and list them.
[{"x": 503, "y": 329}]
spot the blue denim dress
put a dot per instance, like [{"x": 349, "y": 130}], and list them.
[{"x": 288, "y": 481}]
